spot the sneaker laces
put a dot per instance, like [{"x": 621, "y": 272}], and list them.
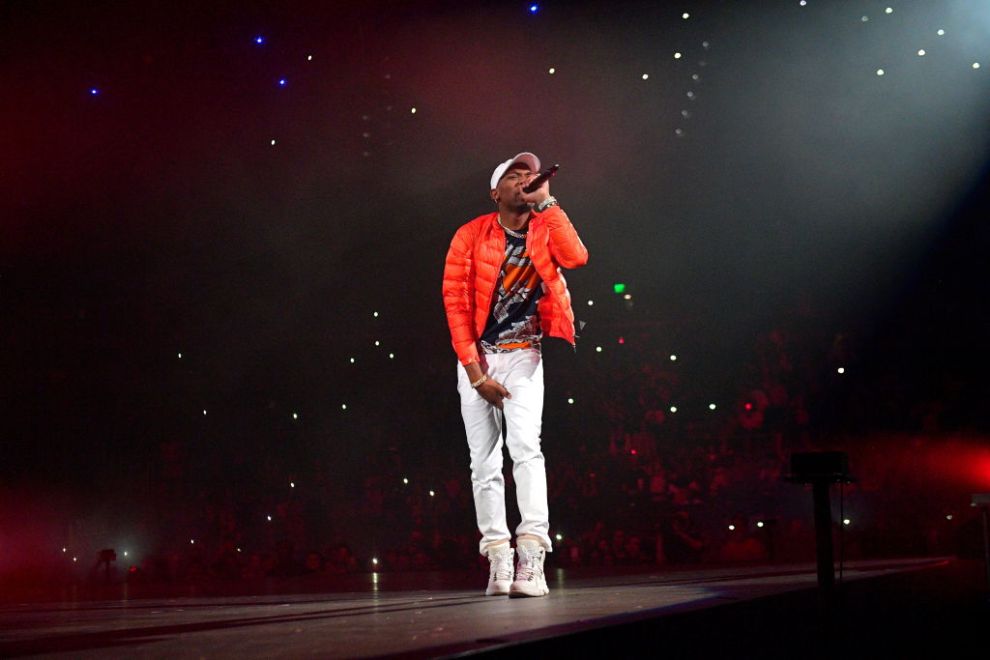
[
  {"x": 530, "y": 566},
  {"x": 501, "y": 566}
]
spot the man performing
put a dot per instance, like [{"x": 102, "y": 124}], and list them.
[{"x": 502, "y": 291}]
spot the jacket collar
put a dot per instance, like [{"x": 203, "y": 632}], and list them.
[{"x": 494, "y": 225}]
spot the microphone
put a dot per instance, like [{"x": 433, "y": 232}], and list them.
[{"x": 540, "y": 180}]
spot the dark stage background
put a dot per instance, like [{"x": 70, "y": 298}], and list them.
[{"x": 223, "y": 230}]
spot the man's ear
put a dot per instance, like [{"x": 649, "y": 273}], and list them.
[{"x": 494, "y": 195}]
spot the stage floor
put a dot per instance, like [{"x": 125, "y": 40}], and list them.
[{"x": 411, "y": 615}]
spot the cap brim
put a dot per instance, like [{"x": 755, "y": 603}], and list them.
[{"x": 527, "y": 158}]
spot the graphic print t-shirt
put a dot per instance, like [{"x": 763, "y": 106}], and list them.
[{"x": 513, "y": 322}]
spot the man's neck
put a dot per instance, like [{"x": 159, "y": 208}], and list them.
[{"x": 515, "y": 219}]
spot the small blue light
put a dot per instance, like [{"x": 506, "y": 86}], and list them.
[
  {"x": 259, "y": 40},
  {"x": 282, "y": 82},
  {"x": 94, "y": 91},
  {"x": 534, "y": 8}
]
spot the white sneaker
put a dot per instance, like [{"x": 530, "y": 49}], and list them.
[
  {"x": 530, "y": 580},
  {"x": 501, "y": 570}
]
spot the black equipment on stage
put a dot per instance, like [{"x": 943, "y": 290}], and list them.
[{"x": 821, "y": 469}]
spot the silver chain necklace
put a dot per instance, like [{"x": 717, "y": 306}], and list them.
[{"x": 510, "y": 232}]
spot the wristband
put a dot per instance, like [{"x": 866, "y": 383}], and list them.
[
  {"x": 547, "y": 203},
  {"x": 476, "y": 384}
]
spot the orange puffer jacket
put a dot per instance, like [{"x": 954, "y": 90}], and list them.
[{"x": 474, "y": 262}]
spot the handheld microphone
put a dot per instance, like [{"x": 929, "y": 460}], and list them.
[{"x": 540, "y": 180}]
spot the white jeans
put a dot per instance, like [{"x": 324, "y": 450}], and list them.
[{"x": 521, "y": 372}]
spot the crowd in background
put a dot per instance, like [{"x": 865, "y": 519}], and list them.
[{"x": 633, "y": 479}]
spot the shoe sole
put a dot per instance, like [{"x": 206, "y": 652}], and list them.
[
  {"x": 522, "y": 594},
  {"x": 498, "y": 591}
]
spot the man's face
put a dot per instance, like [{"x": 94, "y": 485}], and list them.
[{"x": 509, "y": 190}]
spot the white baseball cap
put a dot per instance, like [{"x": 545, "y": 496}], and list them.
[{"x": 526, "y": 158}]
